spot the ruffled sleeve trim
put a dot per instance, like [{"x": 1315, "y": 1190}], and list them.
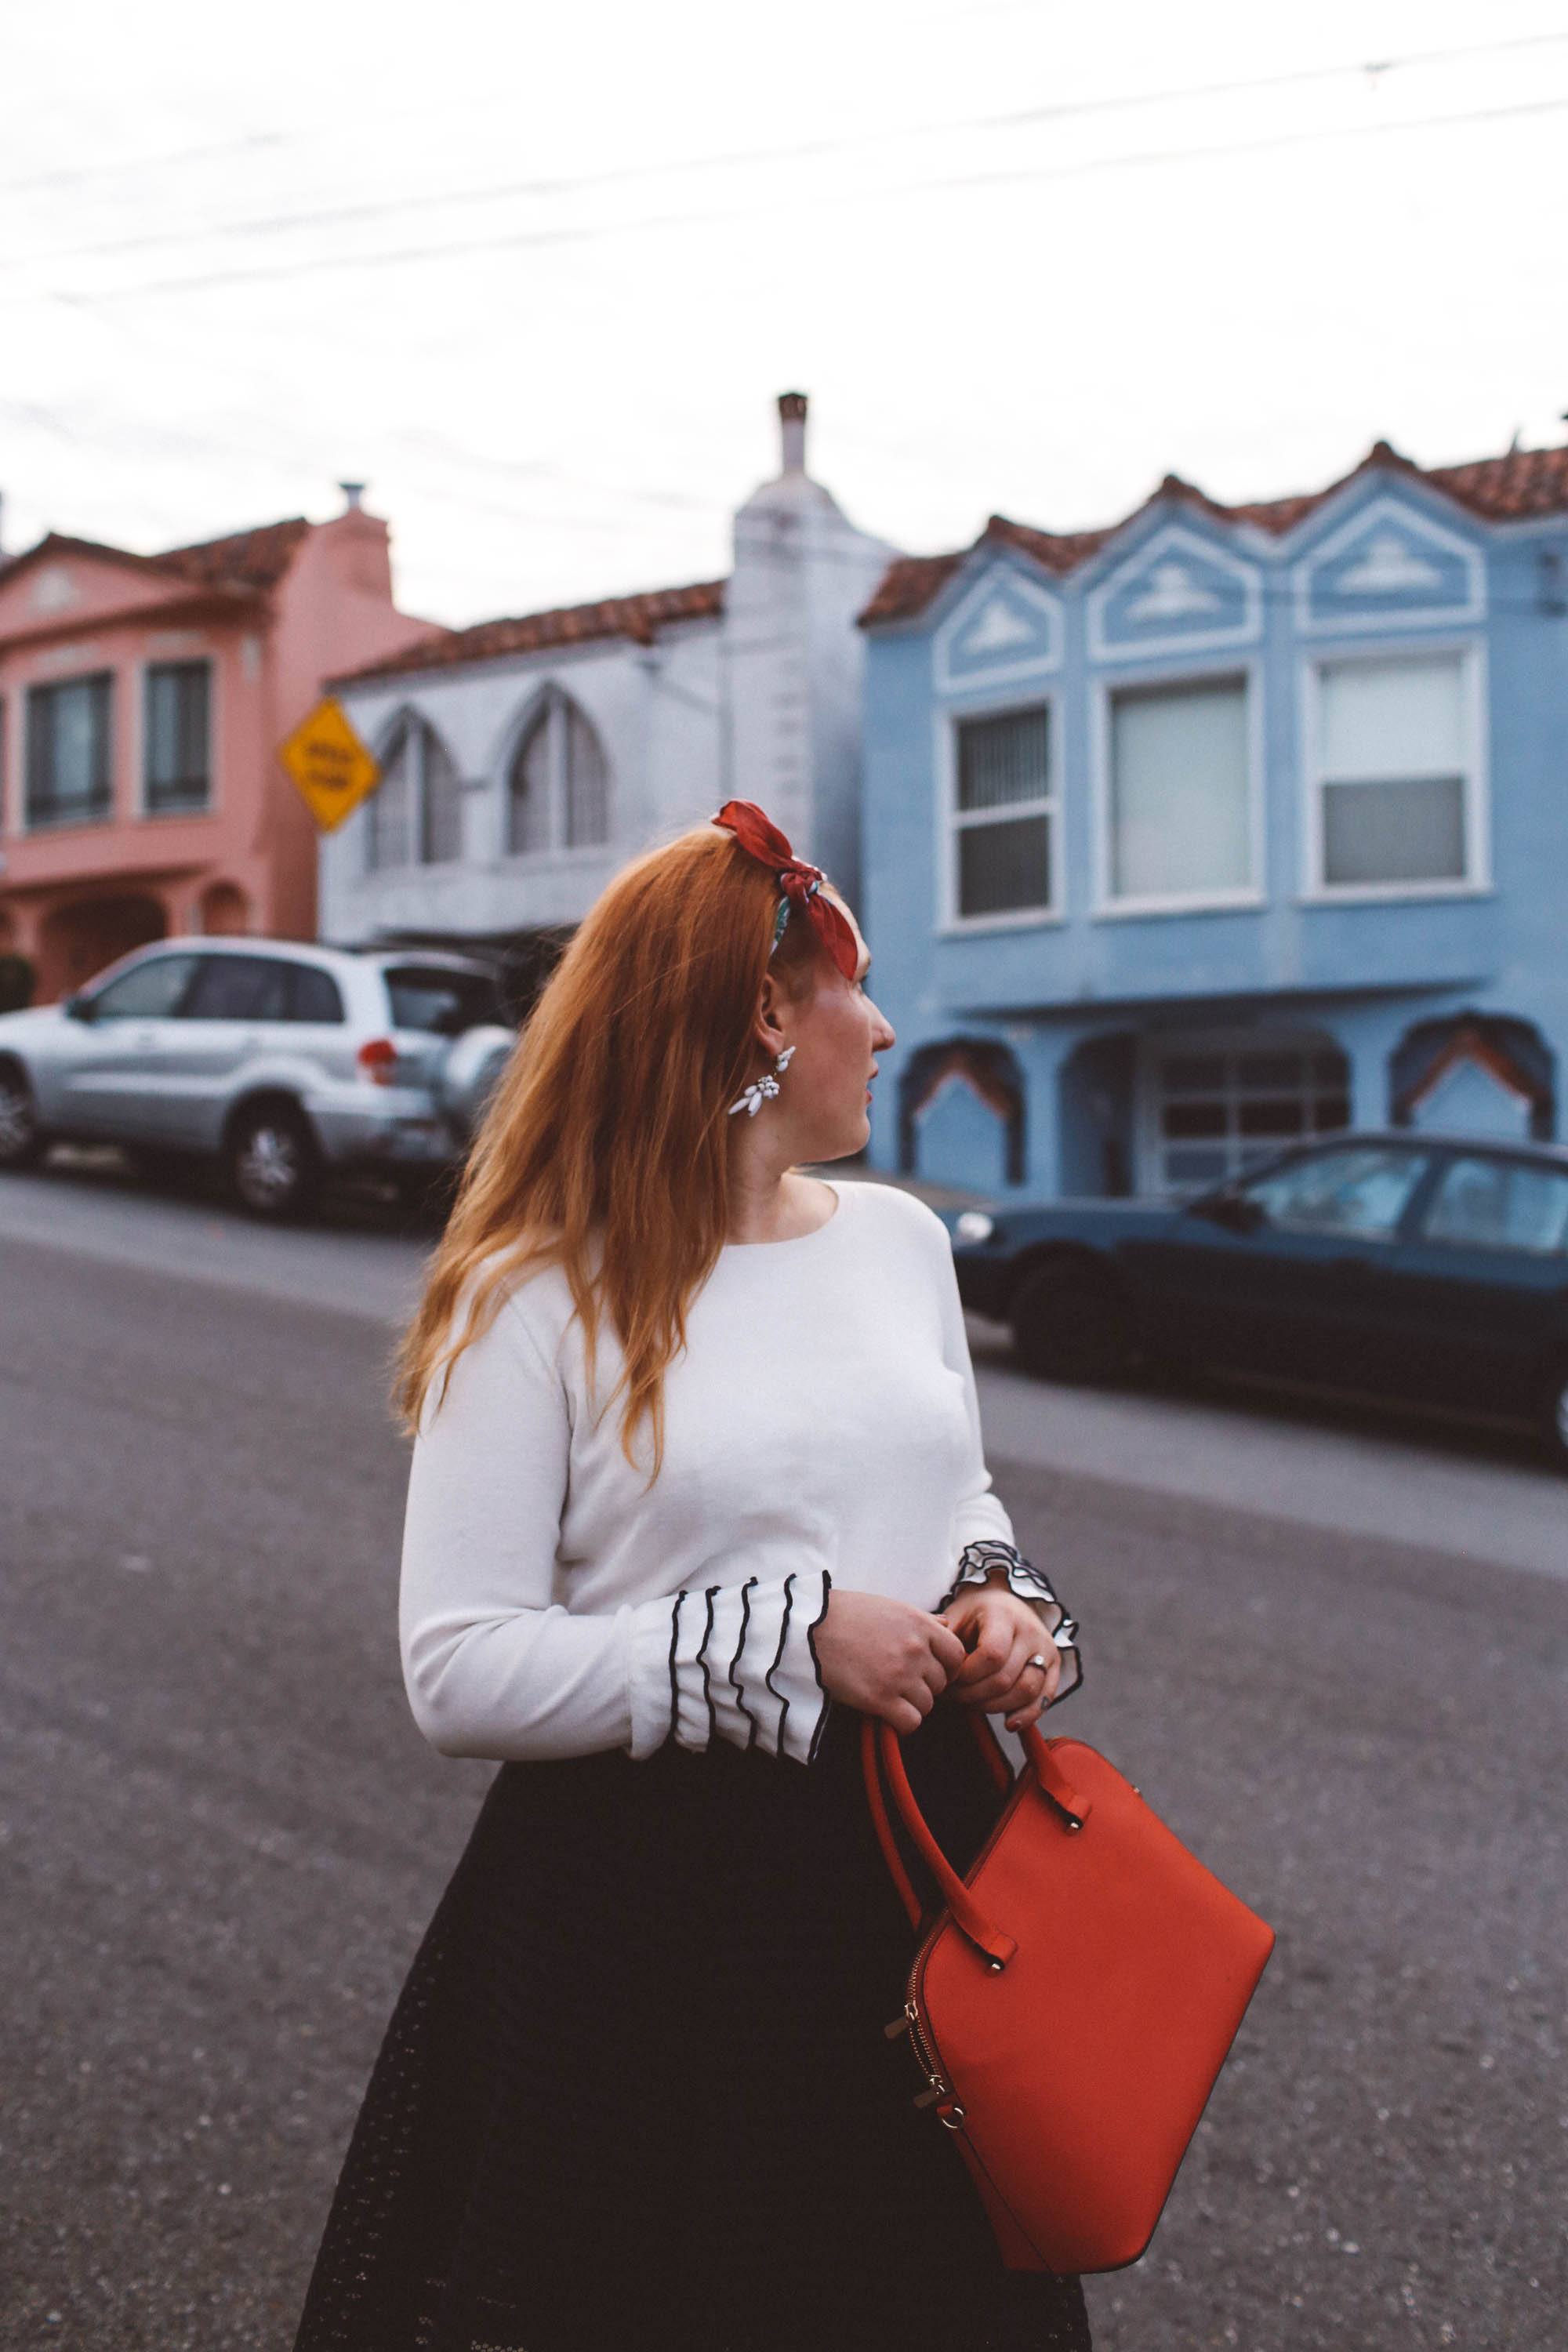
[
  {"x": 978, "y": 1563},
  {"x": 769, "y": 1694}
]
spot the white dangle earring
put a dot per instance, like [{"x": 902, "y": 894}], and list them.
[{"x": 763, "y": 1089}]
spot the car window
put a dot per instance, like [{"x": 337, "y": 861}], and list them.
[
  {"x": 149, "y": 991},
  {"x": 425, "y": 997},
  {"x": 313, "y": 995},
  {"x": 1363, "y": 1189},
  {"x": 239, "y": 988},
  {"x": 1504, "y": 1204}
]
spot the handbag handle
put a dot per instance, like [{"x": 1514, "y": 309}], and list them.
[{"x": 881, "y": 1753}]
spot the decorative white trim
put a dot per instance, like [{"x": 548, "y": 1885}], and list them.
[
  {"x": 1391, "y": 512},
  {"x": 1175, "y": 538},
  {"x": 1477, "y": 880},
  {"x": 997, "y": 578},
  {"x": 1228, "y": 902},
  {"x": 1251, "y": 893},
  {"x": 949, "y": 923}
]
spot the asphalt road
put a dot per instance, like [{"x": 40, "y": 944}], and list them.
[{"x": 222, "y": 1836}]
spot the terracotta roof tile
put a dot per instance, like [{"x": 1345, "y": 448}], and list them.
[
  {"x": 1511, "y": 488},
  {"x": 256, "y": 558},
  {"x": 639, "y": 617}
]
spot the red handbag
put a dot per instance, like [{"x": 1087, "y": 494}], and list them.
[{"x": 1074, "y": 2000}]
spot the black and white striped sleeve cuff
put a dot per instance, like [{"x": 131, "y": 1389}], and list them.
[
  {"x": 979, "y": 1562},
  {"x": 732, "y": 1661}
]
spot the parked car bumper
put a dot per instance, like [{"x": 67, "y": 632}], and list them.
[{"x": 401, "y": 1129}]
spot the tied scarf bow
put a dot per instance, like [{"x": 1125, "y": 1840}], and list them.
[{"x": 801, "y": 883}]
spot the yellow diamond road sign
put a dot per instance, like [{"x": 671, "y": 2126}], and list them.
[{"x": 331, "y": 767}]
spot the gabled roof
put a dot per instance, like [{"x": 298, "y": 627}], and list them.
[
  {"x": 244, "y": 560},
  {"x": 638, "y": 617},
  {"x": 1514, "y": 487}
]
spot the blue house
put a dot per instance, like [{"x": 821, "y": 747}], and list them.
[{"x": 1221, "y": 828}]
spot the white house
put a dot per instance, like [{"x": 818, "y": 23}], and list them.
[{"x": 525, "y": 760}]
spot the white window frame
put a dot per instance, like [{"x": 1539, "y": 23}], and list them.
[
  {"x": 1252, "y": 894},
  {"x": 952, "y": 820},
  {"x": 1477, "y": 879}
]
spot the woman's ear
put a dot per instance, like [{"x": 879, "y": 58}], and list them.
[{"x": 768, "y": 1029}]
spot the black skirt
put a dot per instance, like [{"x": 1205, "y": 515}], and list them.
[{"x": 637, "y": 2091}]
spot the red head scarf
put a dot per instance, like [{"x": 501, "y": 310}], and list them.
[{"x": 801, "y": 883}]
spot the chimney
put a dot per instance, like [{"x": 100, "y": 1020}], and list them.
[
  {"x": 354, "y": 495},
  {"x": 792, "y": 431}
]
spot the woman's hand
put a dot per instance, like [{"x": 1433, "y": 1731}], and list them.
[
  {"x": 1001, "y": 1632},
  {"x": 885, "y": 1657}
]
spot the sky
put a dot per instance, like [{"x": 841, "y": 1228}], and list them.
[{"x": 537, "y": 274}]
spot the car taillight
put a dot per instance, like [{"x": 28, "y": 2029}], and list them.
[{"x": 377, "y": 1057}]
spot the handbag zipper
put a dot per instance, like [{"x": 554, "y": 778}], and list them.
[
  {"x": 911, "y": 2022},
  {"x": 926, "y": 2055}
]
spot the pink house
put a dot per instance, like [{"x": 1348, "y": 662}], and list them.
[{"x": 142, "y": 700}]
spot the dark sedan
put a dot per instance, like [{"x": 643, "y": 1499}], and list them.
[{"x": 1432, "y": 1271}]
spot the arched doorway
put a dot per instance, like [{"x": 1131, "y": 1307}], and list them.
[
  {"x": 1097, "y": 1118},
  {"x": 961, "y": 1115},
  {"x": 224, "y": 911},
  {"x": 16, "y": 973},
  {"x": 1474, "y": 1074},
  {"x": 78, "y": 939}
]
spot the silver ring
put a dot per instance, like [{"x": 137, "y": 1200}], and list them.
[{"x": 1038, "y": 1660}]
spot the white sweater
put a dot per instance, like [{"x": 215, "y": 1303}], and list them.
[{"x": 821, "y": 1428}]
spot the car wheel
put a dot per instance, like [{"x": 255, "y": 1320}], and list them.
[
  {"x": 21, "y": 1141},
  {"x": 1554, "y": 1420},
  {"x": 273, "y": 1170},
  {"x": 1071, "y": 1322}
]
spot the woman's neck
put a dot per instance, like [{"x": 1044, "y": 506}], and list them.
[{"x": 771, "y": 1205}]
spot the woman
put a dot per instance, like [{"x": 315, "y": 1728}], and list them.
[{"x": 697, "y": 1478}]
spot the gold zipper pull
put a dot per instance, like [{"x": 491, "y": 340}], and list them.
[
  {"x": 899, "y": 2025},
  {"x": 929, "y": 2098}
]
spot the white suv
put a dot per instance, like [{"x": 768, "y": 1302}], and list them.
[{"x": 286, "y": 1062}]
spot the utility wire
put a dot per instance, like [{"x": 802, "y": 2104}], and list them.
[
  {"x": 514, "y": 240},
  {"x": 1025, "y": 118}
]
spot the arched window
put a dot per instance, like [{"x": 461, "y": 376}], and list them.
[
  {"x": 416, "y": 813},
  {"x": 558, "y": 790},
  {"x": 528, "y": 796}
]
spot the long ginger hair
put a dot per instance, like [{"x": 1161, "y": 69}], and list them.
[{"x": 604, "y": 1149}]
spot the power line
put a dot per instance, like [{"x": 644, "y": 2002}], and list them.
[
  {"x": 588, "y": 233},
  {"x": 1024, "y": 118},
  {"x": 73, "y": 174}
]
